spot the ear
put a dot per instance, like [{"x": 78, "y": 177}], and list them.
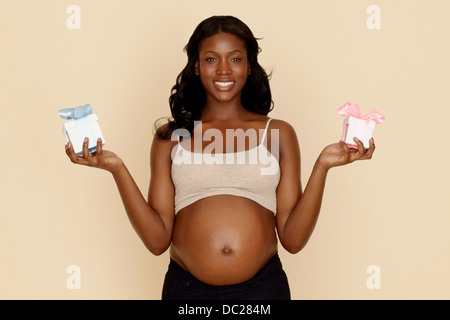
[
  {"x": 197, "y": 68},
  {"x": 249, "y": 70}
]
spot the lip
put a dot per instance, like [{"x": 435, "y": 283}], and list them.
[{"x": 224, "y": 85}]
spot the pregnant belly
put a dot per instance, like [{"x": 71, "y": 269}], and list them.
[{"x": 223, "y": 240}]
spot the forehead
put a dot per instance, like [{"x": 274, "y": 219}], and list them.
[{"x": 222, "y": 42}]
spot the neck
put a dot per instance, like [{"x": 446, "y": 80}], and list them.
[{"x": 222, "y": 111}]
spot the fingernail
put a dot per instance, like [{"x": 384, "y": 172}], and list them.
[
  {"x": 356, "y": 139},
  {"x": 86, "y": 139}
]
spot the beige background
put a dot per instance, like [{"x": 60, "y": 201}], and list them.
[{"x": 392, "y": 211}]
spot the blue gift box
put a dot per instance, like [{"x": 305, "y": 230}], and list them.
[{"x": 83, "y": 123}]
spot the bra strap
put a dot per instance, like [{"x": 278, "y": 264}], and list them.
[{"x": 265, "y": 130}]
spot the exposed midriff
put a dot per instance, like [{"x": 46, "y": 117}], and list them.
[{"x": 223, "y": 239}]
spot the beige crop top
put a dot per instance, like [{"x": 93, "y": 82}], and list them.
[{"x": 253, "y": 174}]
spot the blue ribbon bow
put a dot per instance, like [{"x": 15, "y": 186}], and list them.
[{"x": 75, "y": 113}]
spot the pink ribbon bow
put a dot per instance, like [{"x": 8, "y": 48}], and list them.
[{"x": 352, "y": 110}]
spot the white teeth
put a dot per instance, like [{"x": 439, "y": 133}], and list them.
[{"x": 224, "y": 84}]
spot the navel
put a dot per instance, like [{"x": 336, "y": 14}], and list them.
[{"x": 227, "y": 251}]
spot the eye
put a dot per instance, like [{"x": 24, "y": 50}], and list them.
[
  {"x": 236, "y": 59},
  {"x": 210, "y": 59}
]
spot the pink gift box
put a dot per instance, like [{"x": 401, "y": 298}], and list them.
[{"x": 357, "y": 125}]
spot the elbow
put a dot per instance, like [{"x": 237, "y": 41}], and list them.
[
  {"x": 294, "y": 248},
  {"x": 157, "y": 248},
  {"x": 157, "y": 251},
  {"x": 294, "y": 243}
]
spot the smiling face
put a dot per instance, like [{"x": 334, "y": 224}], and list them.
[{"x": 223, "y": 67}]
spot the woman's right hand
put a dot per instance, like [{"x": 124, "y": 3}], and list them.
[{"x": 102, "y": 159}]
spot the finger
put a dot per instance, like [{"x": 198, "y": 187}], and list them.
[
  {"x": 68, "y": 153},
  {"x": 360, "y": 151},
  {"x": 99, "y": 149},
  {"x": 344, "y": 146},
  {"x": 371, "y": 149},
  {"x": 72, "y": 155},
  {"x": 86, "y": 153}
]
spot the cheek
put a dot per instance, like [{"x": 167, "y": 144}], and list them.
[
  {"x": 241, "y": 73},
  {"x": 241, "y": 70},
  {"x": 205, "y": 74},
  {"x": 204, "y": 77},
  {"x": 205, "y": 69}
]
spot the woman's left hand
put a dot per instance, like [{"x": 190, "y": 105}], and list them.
[{"x": 338, "y": 154}]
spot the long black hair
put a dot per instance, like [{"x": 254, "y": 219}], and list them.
[{"x": 188, "y": 96}]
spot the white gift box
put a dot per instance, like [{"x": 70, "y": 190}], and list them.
[
  {"x": 358, "y": 125},
  {"x": 359, "y": 128},
  {"x": 77, "y": 129}
]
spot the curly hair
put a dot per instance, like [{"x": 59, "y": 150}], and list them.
[{"x": 188, "y": 96}]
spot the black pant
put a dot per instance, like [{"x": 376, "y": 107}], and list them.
[{"x": 270, "y": 283}]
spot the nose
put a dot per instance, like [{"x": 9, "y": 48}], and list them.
[{"x": 223, "y": 67}]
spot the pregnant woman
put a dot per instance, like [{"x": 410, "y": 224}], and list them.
[{"x": 225, "y": 182}]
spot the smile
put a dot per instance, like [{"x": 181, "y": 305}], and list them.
[{"x": 224, "y": 85}]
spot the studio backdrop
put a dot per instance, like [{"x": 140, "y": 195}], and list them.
[{"x": 383, "y": 231}]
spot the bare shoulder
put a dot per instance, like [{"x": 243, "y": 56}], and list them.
[
  {"x": 285, "y": 129},
  {"x": 287, "y": 141},
  {"x": 162, "y": 147},
  {"x": 281, "y": 124}
]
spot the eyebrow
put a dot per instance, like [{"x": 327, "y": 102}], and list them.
[{"x": 214, "y": 52}]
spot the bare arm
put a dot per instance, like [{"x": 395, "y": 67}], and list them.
[
  {"x": 153, "y": 219},
  {"x": 298, "y": 211}
]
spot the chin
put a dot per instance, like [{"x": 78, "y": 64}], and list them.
[{"x": 227, "y": 98}]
